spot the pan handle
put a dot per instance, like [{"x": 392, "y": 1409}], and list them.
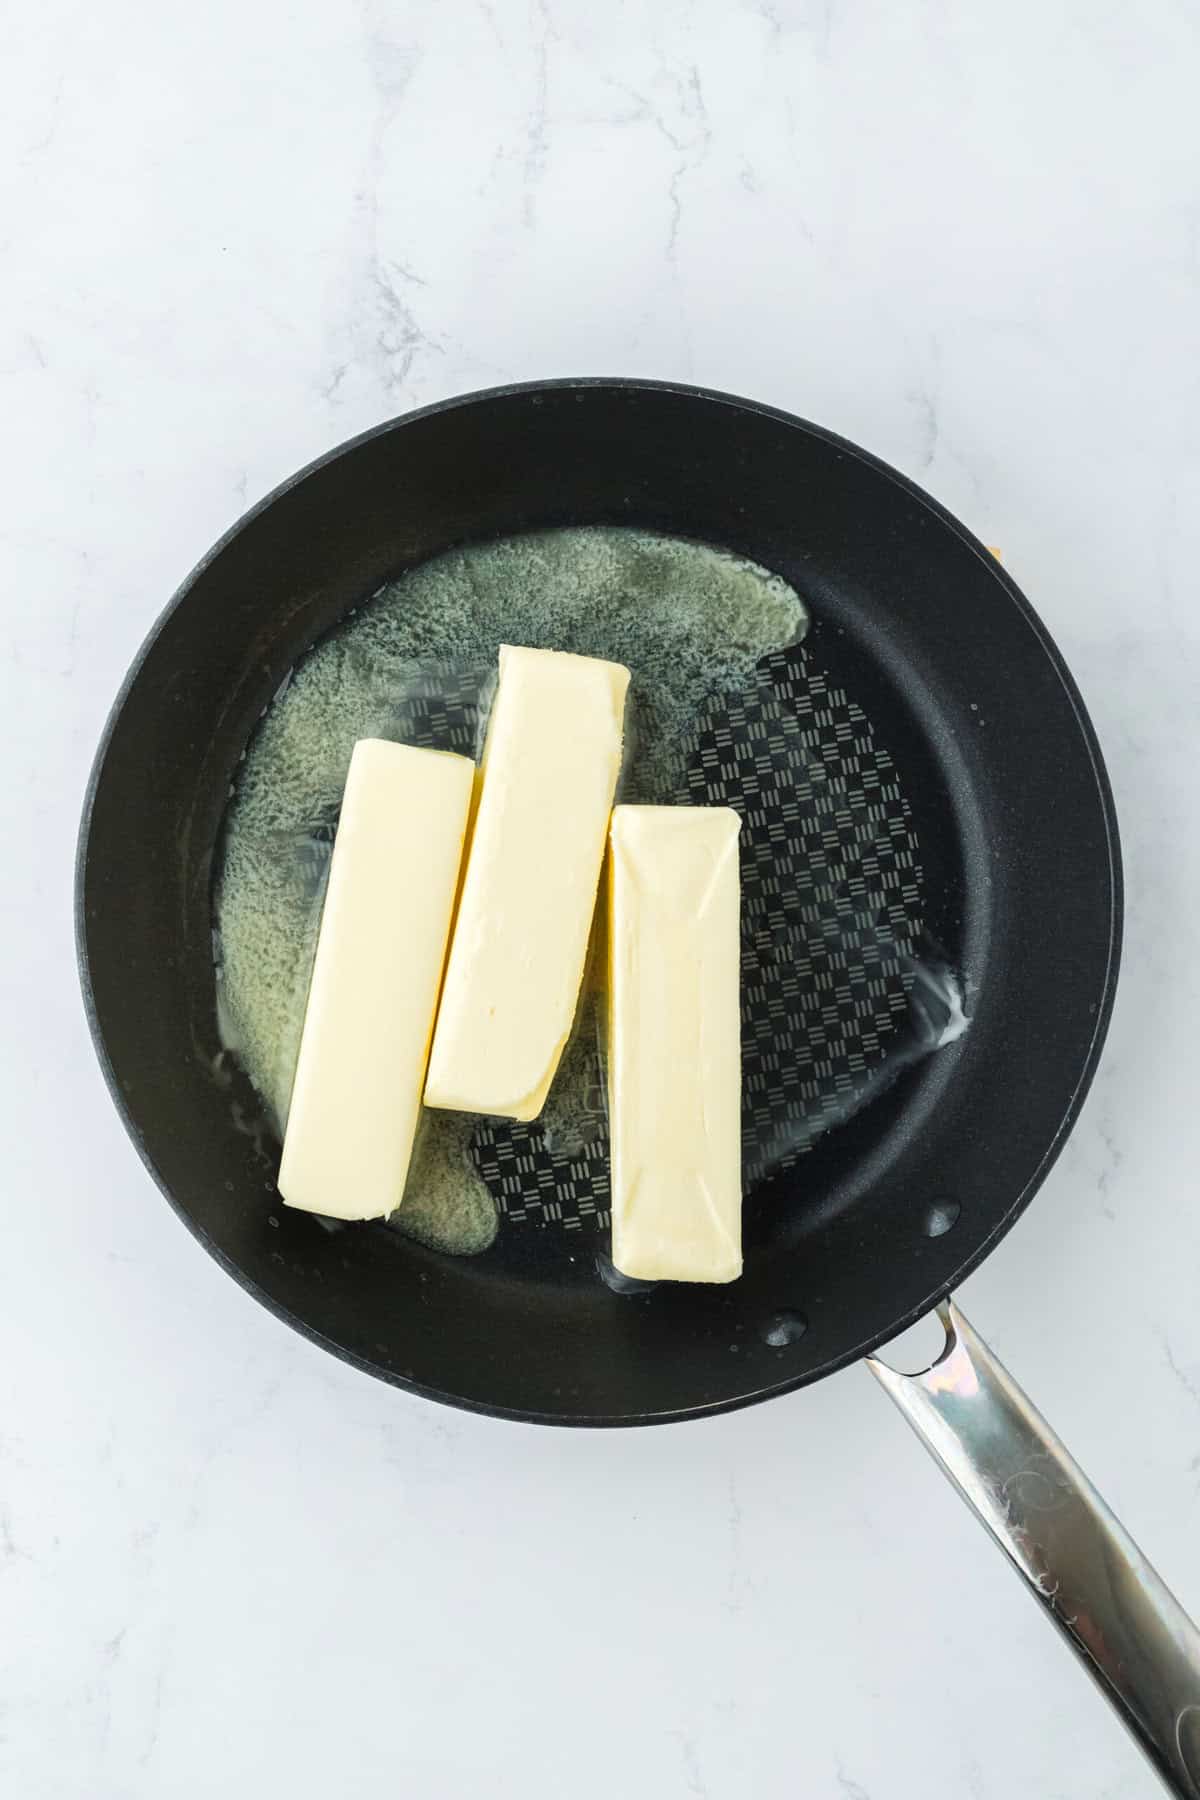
[{"x": 1129, "y": 1631}]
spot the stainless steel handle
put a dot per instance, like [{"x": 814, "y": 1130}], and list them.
[{"x": 1078, "y": 1560}]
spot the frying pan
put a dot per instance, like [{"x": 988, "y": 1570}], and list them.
[{"x": 927, "y": 664}]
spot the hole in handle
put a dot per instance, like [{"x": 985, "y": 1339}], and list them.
[{"x": 1187, "y": 1738}]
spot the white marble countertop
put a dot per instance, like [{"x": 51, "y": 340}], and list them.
[{"x": 968, "y": 238}]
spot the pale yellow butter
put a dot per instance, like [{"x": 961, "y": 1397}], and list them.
[
  {"x": 356, "y": 1097},
  {"x": 674, "y": 1054},
  {"x": 550, "y": 766}
]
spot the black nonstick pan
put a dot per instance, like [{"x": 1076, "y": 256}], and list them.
[{"x": 925, "y": 740}]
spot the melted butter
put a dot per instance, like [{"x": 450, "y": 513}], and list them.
[{"x": 415, "y": 664}]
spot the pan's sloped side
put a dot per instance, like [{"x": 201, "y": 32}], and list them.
[{"x": 1011, "y": 807}]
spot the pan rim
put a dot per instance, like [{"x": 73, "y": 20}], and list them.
[{"x": 1087, "y": 736}]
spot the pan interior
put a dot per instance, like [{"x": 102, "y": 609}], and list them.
[{"x": 841, "y": 986}]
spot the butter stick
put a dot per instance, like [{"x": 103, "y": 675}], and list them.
[
  {"x": 550, "y": 766},
  {"x": 674, "y": 1053},
  {"x": 356, "y": 1097}
]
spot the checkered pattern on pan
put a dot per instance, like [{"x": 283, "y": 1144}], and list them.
[{"x": 831, "y": 913}]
